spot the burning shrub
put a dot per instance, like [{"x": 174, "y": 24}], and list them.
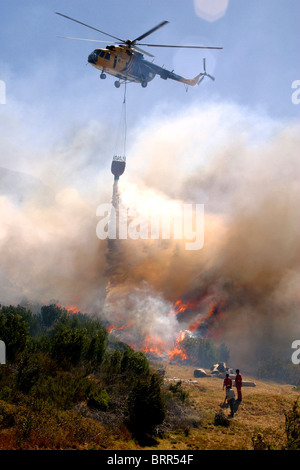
[{"x": 146, "y": 406}]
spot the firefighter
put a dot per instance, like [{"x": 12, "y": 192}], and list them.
[
  {"x": 238, "y": 384},
  {"x": 227, "y": 381},
  {"x": 231, "y": 399}
]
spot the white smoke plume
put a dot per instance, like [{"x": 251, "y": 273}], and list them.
[{"x": 243, "y": 167}]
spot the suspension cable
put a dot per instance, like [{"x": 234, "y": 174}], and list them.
[{"x": 125, "y": 119}]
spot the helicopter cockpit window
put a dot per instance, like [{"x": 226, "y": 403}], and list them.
[
  {"x": 101, "y": 53},
  {"x": 107, "y": 56}
]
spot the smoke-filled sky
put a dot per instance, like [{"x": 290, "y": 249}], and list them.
[{"x": 232, "y": 145}]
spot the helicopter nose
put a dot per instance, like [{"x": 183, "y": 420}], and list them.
[{"x": 92, "y": 58}]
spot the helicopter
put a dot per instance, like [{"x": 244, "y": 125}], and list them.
[{"x": 125, "y": 59}]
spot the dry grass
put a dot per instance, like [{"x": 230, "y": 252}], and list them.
[{"x": 262, "y": 411}]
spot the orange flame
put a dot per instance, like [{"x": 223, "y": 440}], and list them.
[
  {"x": 111, "y": 327},
  {"x": 179, "y": 307},
  {"x": 115, "y": 327},
  {"x": 194, "y": 326},
  {"x": 178, "y": 351},
  {"x": 73, "y": 309},
  {"x": 153, "y": 345}
]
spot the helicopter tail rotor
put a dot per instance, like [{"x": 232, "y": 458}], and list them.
[{"x": 205, "y": 74}]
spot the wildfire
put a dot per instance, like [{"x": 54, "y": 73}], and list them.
[
  {"x": 199, "y": 312},
  {"x": 178, "y": 351},
  {"x": 153, "y": 345},
  {"x": 179, "y": 306},
  {"x": 110, "y": 328},
  {"x": 73, "y": 309}
]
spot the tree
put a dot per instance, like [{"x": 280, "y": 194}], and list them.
[
  {"x": 50, "y": 313},
  {"x": 97, "y": 346},
  {"x": 201, "y": 350},
  {"x": 13, "y": 331},
  {"x": 67, "y": 346}
]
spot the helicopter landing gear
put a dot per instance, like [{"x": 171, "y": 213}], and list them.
[
  {"x": 102, "y": 76},
  {"x": 117, "y": 84},
  {"x": 144, "y": 84}
]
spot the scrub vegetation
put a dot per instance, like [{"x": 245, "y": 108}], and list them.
[{"x": 67, "y": 385}]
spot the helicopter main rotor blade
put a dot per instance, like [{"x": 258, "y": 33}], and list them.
[
  {"x": 142, "y": 51},
  {"x": 83, "y": 39},
  {"x": 88, "y": 26},
  {"x": 105, "y": 42},
  {"x": 163, "y": 23},
  {"x": 183, "y": 47}
]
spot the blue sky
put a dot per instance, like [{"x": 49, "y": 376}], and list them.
[
  {"x": 49, "y": 76},
  {"x": 51, "y": 91}
]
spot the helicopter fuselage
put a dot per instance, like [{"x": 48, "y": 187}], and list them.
[
  {"x": 126, "y": 64},
  {"x": 123, "y": 63}
]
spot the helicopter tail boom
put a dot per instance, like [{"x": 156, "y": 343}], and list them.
[
  {"x": 191, "y": 82},
  {"x": 173, "y": 76}
]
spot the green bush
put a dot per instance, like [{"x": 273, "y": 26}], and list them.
[
  {"x": 33, "y": 366},
  {"x": 98, "y": 398},
  {"x": 62, "y": 390},
  {"x": 96, "y": 347},
  {"x": 67, "y": 346},
  {"x": 292, "y": 427},
  {"x": 134, "y": 362},
  {"x": 178, "y": 392},
  {"x": 146, "y": 406},
  {"x": 13, "y": 331}
]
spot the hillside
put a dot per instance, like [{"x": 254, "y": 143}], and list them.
[
  {"x": 261, "y": 412},
  {"x": 68, "y": 385}
]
